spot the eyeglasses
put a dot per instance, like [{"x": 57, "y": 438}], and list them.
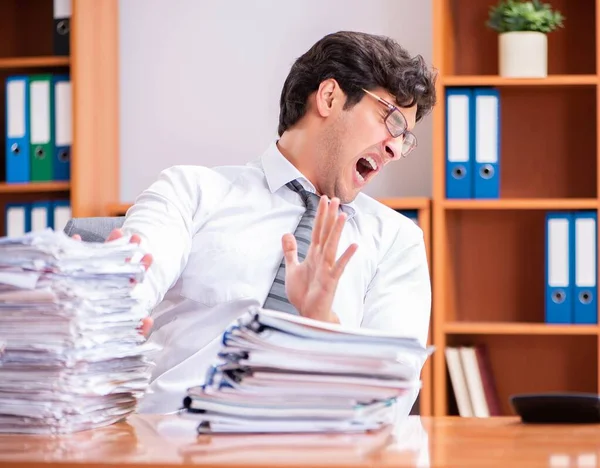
[{"x": 397, "y": 125}]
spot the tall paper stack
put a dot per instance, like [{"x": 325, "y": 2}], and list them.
[
  {"x": 279, "y": 372},
  {"x": 73, "y": 357}
]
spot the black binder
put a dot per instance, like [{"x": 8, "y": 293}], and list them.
[{"x": 62, "y": 27}]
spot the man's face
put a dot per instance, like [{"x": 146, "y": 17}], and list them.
[{"x": 356, "y": 145}]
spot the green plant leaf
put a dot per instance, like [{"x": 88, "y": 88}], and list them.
[{"x": 513, "y": 15}]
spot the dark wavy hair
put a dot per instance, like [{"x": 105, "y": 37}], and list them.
[{"x": 357, "y": 60}]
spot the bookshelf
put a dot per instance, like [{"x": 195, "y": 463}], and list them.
[
  {"x": 489, "y": 255},
  {"x": 26, "y": 47}
]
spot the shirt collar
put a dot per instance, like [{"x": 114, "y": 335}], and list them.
[{"x": 279, "y": 171}]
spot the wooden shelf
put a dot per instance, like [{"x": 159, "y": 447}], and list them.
[
  {"x": 116, "y": 209},
  {"x": 495, "y": 328},
  {"x": 522, "y": 363},
  {"x": 522, "y": 204},
  {"x": 34, "y": 62},
  {"x": 465, "y": 46},
  {"x": 35, "y": 187},
  {"x": 416, "y": 203},
  {"x": 494, "y": 80}
]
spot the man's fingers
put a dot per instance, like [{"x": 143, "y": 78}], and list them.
[
  {"x": 330, "y": 217},
  {"x": 118, "y": 233},
  {"x": 147, "y": 261},
  {"x": 319, "y": 220},
  {"x": 146, "y": 326},
  {"x": 290, "y": 250},
  {"x": 135, "y": 239},
  {"x": 77, "y": 237},
  {"x": 332, "y": 242},
  {"x": 343, "y": 261},
  {"x": 115, "y": 234}
]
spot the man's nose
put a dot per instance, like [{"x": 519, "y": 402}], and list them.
[{"x": 393, "y": 148}]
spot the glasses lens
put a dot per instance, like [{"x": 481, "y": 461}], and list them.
[
  {"x": 409, "y": 143},
  {"x": 396, "y": 123}
]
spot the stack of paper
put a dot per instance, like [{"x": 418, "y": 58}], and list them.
[
  {"x": 73, "y": 357},
  {"x": 279, "y": 372}
]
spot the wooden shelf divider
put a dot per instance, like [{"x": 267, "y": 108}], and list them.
[
  {"x": 494, "y": 80},
  {"x": 117, "y": 209},
  {"x": 522, "y": 204},
  {"x": 33, "y": 62},
  {"x": 512, "y": 328},
  {"x": 35, "y": 187}
]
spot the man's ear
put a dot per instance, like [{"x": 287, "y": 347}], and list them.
[{"x": 327, "y": 96}]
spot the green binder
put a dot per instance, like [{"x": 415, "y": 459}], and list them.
[{"x": 41, "y": 119}]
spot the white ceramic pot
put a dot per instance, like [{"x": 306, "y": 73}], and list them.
[{"x": 523, "y": 54}]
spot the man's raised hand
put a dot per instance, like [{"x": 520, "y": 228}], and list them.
[{"x": 311, "y": 284}]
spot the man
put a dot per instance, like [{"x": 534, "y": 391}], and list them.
[{"x": 218, "y": 235}]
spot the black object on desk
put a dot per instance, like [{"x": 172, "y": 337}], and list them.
[{"x": 557, "y": 408}]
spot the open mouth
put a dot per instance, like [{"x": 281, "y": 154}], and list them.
[{"x": 364, "y": 167}]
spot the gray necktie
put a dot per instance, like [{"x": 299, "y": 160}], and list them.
[{"x": 277, "y": 298}]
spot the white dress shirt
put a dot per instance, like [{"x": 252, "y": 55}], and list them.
[{"x": 215, "y": 236}]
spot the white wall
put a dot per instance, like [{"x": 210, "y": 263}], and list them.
[{"x": 200, "y": 79}]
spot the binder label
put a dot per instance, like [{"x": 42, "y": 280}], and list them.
[
  {"x": 458, "y": 127},
  {"x": 62, "y": 8},
  {"x": 558, "y": 259},
  {"x": 16, "y": 109},
  {"x": 487, "y": 129},
  {"x": 63, "y": 113},
  {"x": 585, "y": 252},
  {"x": 40, "y": 112}
]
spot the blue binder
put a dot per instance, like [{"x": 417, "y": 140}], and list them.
[
  {"x": 62, "y": 127},
  {"x": 17, "y": 129},
  {"x": 459, "y": 142},
  {"x": 559, "y": 267},
  {"x": 486, "y": 172},
  {"x": 585, "y": 284}
]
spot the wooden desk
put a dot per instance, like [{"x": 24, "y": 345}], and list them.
[{"x": 153, "y": 441}]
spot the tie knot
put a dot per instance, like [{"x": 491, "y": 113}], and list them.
[{"x": 311, "y": 200}]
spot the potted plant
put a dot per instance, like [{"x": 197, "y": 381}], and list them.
[{"x": 522, "y": 41}]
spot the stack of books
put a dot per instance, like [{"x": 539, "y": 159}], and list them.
[
  {"x": 473, "y": 381},
  {"x": 278, "y": 372},
  {"x": 72, "y": 357}
]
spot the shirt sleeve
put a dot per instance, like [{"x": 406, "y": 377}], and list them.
[
  {"x": 398, "y": 299},
  {"x": 163, "y": 216}
]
